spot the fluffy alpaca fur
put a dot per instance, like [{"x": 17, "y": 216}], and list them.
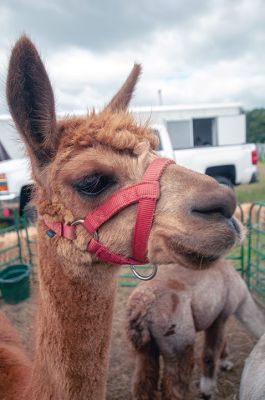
[
  {"x": 163, "y": 318},
  {"x": 192, "y": 220},
  {"x": 15, "y": 366}
]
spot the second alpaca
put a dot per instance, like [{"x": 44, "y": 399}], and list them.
[{"x": 164, "y": 315}]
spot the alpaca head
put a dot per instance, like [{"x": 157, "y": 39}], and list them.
[{"x": 78, "y": 162}]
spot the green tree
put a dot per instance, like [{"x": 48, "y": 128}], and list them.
[{"x": 256, "y": 125}]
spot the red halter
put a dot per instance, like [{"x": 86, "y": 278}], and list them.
[{"x": 145, "y": 193}]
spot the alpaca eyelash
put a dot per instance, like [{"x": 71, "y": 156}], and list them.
[{"x": 93, "y": 185}]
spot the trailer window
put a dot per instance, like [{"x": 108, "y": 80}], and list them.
[{"x": 203, "y": 132}]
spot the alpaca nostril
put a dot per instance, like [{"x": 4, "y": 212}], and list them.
[
  {"x": 217, "y": 201},
  {"x": 221, "y": 210}
]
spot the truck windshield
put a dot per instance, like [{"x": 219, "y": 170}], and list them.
[
  {"x": 11, "y": 147},
  {"x": 3, "y": 153},
  {"x": 156, "y": 132}
]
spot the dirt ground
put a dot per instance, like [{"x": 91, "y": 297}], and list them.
[{"x": 121, "y": 362}]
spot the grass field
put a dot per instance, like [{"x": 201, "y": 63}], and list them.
[{"x": 254, "y": 191}]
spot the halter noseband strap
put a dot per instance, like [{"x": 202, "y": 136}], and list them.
[{"x": 146, "y": 193}]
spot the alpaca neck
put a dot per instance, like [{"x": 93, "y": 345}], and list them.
[{"x": 74, "y": 328}]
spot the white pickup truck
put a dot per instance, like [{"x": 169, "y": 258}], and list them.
[
  {"x": 231, "y": 164},
  {"x": 14, "y": 166},
  {"x": 14, "y": 174},
  {"x": 210, "y": 139}
]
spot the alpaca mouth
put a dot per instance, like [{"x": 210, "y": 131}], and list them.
[
  {"x": 237, "y": 230},
  {"x": 235, "y": 225},
  {"x": 193, "y": 256},
  {"x": 206, "y": 246},
  {"x": 200, "y": 259}
]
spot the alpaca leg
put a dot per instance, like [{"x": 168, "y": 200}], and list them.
[
  {"x": 225, "y": 363},
  {"x": 213, "y": 345},
  {"x": 176, "y": 374},
  {"x": 146, "y": 375}
]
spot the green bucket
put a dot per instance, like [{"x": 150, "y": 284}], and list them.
[{"x": 14, "y": 283}]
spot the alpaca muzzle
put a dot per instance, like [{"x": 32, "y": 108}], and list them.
[{"x": 146, "y": 193}]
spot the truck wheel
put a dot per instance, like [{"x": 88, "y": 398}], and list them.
[{"x": 224, "y": 181}]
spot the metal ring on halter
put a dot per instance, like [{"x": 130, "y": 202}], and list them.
[
  {"x": 80, "y": 222},
  {"x": 142, "y": 277}
]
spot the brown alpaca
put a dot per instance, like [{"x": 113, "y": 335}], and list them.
[
  {"x": 252, "y": 385},
  {"x": 78, "y": 164},
  {"x": 164, "y": 316}
]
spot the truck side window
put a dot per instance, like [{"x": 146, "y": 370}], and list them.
[{"x": 156, "y": 132}]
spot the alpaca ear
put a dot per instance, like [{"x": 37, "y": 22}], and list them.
[
  {"x": 31, "y": 102},
  {"x": 122, "y": 99}
]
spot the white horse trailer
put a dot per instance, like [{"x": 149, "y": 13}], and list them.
[
  {"x": 195, "y": 125},
  {"x": 208, "y": 138}
]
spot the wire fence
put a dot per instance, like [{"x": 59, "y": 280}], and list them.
[
  {"x": 18, "y": 243},
  {"x": 255, "y": 266},
  {"x": 261, "y": 151}
]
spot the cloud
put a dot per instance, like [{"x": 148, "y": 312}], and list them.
[
  {"x": 99, "y": 25},
  {"x": 193, "y": 51}
]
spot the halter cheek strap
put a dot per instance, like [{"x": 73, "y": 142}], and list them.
[{"x": 146, "y": 193}]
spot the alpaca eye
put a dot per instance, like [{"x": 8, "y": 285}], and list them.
[{"x": 94, "y": 185}]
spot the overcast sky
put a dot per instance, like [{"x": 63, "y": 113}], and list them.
[{"x": 195, "y": 51}]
